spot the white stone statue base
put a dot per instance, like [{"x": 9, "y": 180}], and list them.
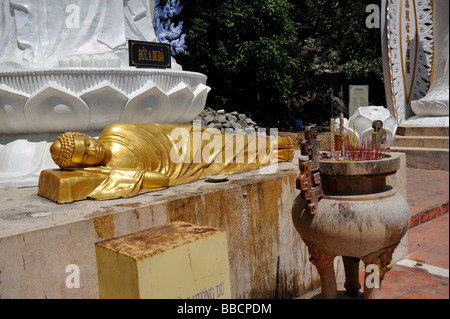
[
  {"x": 427, "y": 121},
  {"x": 91, "y": 98}
]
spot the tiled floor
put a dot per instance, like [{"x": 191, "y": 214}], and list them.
[
  {"x": 428, "y": 240},
  {"x": 428, "y": 194},
  {"x": 426, "y": 188},
  {"x": 428, "y": 245}
]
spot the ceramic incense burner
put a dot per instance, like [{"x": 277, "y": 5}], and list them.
[{"x": 359, "y": 216}]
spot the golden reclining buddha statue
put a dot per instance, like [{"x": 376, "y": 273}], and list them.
[{"x": 128, "y": 159}]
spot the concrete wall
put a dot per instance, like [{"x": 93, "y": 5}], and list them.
[{"x": 268, "y": 259}]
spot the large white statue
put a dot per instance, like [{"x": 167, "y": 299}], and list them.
[
  {"x": 64, "y": 66},
  {"x": 63, "y": 33},
  {"x": 435, "y": 102},
  {"x": 415, "y": 38}
]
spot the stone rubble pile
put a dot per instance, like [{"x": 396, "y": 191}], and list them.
[{"x": 229, "y": 122}]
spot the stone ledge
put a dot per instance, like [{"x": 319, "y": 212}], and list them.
[
  {"x": 39, "y": 239},
  {"x": 423, "y": 130},
  {"x": 19, "y": 204},
  {"x": 425, "y": 158},
  {"x": 268, "y": 259}
]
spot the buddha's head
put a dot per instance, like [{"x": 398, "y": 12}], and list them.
[{"x": 75, "y": 149}]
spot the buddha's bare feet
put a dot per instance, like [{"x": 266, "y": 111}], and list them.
[
  {"x": 285, "y": 155},
  {"x": 283, "y": 143},
  {"x": 284, "y": 148}
]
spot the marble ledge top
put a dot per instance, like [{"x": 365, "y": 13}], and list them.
[{"x": 22, "y": 210}]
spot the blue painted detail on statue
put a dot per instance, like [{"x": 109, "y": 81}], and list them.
[{"x": 166, "y": 31}]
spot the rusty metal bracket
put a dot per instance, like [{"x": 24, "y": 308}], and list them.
[
  {"x": 309, "y": 181},
  {"x": 378, "y": 135}
]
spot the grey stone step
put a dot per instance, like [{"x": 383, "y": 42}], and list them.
[
  {"x": 422, "y": 141},
  {"x": 423, "y": 130},
  {"x": 425, "y": 157}
]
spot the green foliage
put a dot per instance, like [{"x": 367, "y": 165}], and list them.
[
  {"x": 243, "y": 47},
  {"x": 266, "y": 57},
  {"x": 337, "y": 50}
]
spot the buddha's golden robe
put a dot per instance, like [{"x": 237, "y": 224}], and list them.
[{"x": 183, "y": 153}]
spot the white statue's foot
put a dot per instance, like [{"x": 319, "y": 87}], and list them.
[{"x": 106, "y": 60}]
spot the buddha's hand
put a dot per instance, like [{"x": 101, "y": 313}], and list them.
[
  {"x": 154, "y": 179},
  {"x": 96, "y": 169}
]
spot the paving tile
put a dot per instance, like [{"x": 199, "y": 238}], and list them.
[
  {"x": 436, "y": 232},
  {"x": 416, "y": 229},
  {"x": 438, "y": 240},
  {"x": 417, "y": 271},
  {"x": 415, "y": 245},
  {"x": 396, "y": 274},
  {"x": 419, "y": 231},
  {"x": 421, "y": 256},
  {"x": 440, "y": 221},
  {"x": 439, "y": 262},
  {"x": 443, "y": 291},
  {"x": 438, "y": 250},
  {"x": 417, "y": 236},
  {"x": 415, "y": 293},
  {"x": 392, "y": 289}
]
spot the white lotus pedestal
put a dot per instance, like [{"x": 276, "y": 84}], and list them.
[
  {"x": 37, "y": 105},
  {"x": 359, "y": 217}
]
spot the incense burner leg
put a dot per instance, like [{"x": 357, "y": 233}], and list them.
[
  {"x": 323, "y": 261},
  {"x": 376, "y": 265},
  {"x": 351, "y": 266}
]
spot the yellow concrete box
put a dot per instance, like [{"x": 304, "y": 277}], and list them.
[{"x": 178, "y": 260}]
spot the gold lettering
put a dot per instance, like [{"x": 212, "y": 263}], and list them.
[{"x": 143, "y": 54}]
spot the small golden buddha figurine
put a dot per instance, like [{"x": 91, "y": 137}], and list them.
[{"x": 128, "y": 159}]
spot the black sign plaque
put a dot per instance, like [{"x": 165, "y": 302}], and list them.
[{"x": 149, "y": 54}]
